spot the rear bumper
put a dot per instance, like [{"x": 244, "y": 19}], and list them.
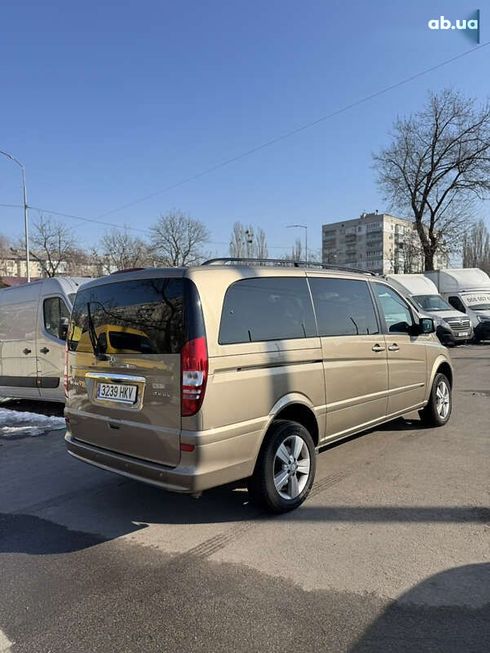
[{"x": 212, "y": 463}]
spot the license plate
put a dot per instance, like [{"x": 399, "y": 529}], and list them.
[
  {"x": 123, "y": 393},
  {"x": 463, "y": 334}
]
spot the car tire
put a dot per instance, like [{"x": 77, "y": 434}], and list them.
[
  {"x": 285, "y": 468},
  {"x": 438, "y": 410}
]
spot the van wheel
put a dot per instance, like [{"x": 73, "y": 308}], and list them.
[
  {"x": 285, "y": 468},
  {"x": 438, "y": 410}
]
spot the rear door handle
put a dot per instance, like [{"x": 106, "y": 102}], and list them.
[
  {"x": 44, "y": 350},
  {"x": 377, "y": 348},
  {"x": 26, "y": 351},
  {"x": 394, "y": 347}
]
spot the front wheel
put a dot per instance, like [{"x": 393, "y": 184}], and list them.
[
  {"x": 438, "y": 410},
  {"x": 285, "y": 468}
]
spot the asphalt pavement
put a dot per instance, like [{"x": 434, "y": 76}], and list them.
[{"x": 390, "y": 553}]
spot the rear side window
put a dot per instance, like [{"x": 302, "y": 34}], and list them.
[
  {"x": 344, "y": 307},
  {"x": 143, "y": 316},
  {"x": 54, "y": 310},
  {"x": 267, "y": 308}
]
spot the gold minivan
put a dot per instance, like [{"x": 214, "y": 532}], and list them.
[{"x": 241, "y": 369}]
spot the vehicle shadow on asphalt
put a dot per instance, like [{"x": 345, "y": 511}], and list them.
[
  {"x": 445, "y": 612},
  {"x": 32, "y": 535},
  {"x": 130, "y": 506}
]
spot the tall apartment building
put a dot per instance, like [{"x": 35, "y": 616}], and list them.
[{"x": 377, "y": 242}]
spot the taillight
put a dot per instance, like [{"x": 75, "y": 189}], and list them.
[
  {"x": 194, "y": 366},
  {"x": 65, "y": 372}
]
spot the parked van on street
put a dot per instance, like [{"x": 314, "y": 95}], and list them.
[
  {"x": 241, "y": 369},
  {"x": 33, "y": 326},
  {"x": 452, "y": 327},
  {"x": 468, "y": 291}
]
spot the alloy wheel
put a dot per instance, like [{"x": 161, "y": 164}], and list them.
[
  {"x": 291, "y": 467},
  {"x": 442, "y": 399}
]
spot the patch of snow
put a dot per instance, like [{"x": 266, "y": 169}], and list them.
[
  {"x": 5, "y": 643},
  {"x": 14, "y": 422}
]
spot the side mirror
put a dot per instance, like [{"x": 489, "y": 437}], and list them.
[
  {"x": 63, "y": 330},
  {"x": 426, "y": 325}
]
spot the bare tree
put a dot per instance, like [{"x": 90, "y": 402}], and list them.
[
  {"x": 437, "y": 165},
  {"x": 4, "y": 245},
  {"x": 80, "y": 263},
  {"x": 297, "y": 250},
  {"x": 476, "y": 247},
  {"x": 178, "y": 240},
  {"x": 52, "y": 245},
  {"x": 248, "y": 242},
  {"x": 314, "y": 255},
  {"x": 261, "y": 244},
  {"x": 5, "y": 253},
  {"x": 119, "y": 250},
  {"x": 412, "y": 253},
  {"x": 296, "y": 253},
  {"x": 238, "y": 243}
]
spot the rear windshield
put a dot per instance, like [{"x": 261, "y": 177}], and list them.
[{"x": 144, "y": 316}]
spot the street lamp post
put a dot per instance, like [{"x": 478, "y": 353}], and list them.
[
  {"x": 305, "y": 227},
  {"x": 26, "y": 217}
]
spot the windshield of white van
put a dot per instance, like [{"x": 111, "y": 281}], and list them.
[
  {"x": 432, "y": 303},
  {"x": 143, "y": 316},
  {"x": 477, "y": 301}
]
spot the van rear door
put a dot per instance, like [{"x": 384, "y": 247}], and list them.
[{"x": 126, "y": 397}]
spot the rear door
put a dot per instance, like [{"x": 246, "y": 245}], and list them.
[
  {"x": 127, "y": 399},
  {"x": 407, "y": 353},
  {"x": 50, "y": 346},
  {"x": 354, "y": 353}
]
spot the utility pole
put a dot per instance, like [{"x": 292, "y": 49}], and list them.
[
  {"x": 305, "y": 227},
  {"x": 26, "y": 207}
]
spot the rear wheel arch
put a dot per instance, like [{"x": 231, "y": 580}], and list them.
[
  {"x": 302, "y": 414},
  {"x": 294, "y": 411}
]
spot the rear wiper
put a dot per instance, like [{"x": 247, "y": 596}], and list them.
[{"x": 93, "y": 336}]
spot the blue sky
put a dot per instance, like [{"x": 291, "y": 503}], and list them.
[{"x": 106, "y": 102}]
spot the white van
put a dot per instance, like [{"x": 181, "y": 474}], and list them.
[
  {"x": 33, "y": 325},
  {"x": 452, "y": 326},
  {"x": 467, "y": 290}
]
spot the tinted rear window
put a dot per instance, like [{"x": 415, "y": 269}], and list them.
[
  {"x": 267, "y": 308},
  {"x": 144, "y": 316},
  {"x": 343, "y": 307}
]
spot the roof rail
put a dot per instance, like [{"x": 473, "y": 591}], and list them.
[{"x": 280, "y": 262}]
